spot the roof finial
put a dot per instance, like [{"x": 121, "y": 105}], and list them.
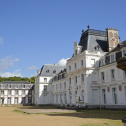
[{"x": 88, "y": 26}]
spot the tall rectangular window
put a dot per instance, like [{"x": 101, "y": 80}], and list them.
[
  {"x": 114, "y": 94},
  {"x": 9, "y": 92},
  {"x": 112, "y": 58},
  {"x": 113, "y": 75},
  {"x": 75, "y": 79},
  {"x": 82, "y": 77},
  {"x": 16, "y": 92},
  {"x": 69, "y": 81},
  {"x": 60, "y": 86},
  {"x": 75, "y": 65},
  {"x": 16, "y": 100},
  {"x": 69, "y": 68},
  {"x": 9, "y": 86},
  {"x": 102, "y": 77},
  {"x": 23, "y": 92},
  {"x": 81, "y": 63},
  {"x": 64, "y": 85},
  {"x": 92, "y": 62},
  {"x": 23, "y": 85},
  {"x": 45, "y": 79},
  {"x": 29, "y": 100},
  {"x": 23, "y": 100},
  {"x": 30, "y": 92},
  {"x": 16, "y": 85},
  {"x": 9, "y": 100},
  {"x": 45, "y": 88},
  {"x": 103, "y": 96},
  {"x": 2, "y": 92}
]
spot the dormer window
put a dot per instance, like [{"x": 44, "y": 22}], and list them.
[
  {"x": 54, "y": 71},
  {"x": 47, "y": 71},
  {"x": 124, "y": 52},
  {"x": 112, "y": 58}
]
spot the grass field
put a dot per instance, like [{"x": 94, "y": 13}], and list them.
[{"x": 13, "y": 116}]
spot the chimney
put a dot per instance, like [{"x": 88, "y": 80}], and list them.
[{"x": 113, "y": 38}]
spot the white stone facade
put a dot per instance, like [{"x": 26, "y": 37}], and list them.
[
  {"x": 90, "y": 77},
  {"x": 16, "y": 92}
]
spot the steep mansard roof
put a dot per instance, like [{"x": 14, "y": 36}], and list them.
[
  {"x": 94, "y": 40},
  {"x": 51, "y": 69}
]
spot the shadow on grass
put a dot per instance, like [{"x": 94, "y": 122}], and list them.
[{"x": 101, "y": 114}]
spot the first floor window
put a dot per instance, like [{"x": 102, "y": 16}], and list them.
[
  {"x": 75, "y": 79},
  {"x": 64, "y": 85},
  {"x": 114, "y": 93},
  {"x": 45, "y": 88},
  {"x": 16, "y": 92},
  {"x": 23, "y": 92},
  {"x": 112, "y": 75},
  {"x": 2, "y": 92},
  {"x": 9, "y": 92},
  {"x": 102, "y": 77},
  {"x": 29, "y": 100},
  {"x": 82, "y": 77},
  {"x": 45, "y": 79},
  {"x": 30, "y": 92}
]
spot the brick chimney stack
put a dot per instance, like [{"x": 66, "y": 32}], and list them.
[{"x": 113, "y": 38}]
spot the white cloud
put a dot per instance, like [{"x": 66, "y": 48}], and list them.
[
  {"x": 1, "y": 40},
  {"x": 7, "y": 62},
  {"x": 32, "y": 68},
  {"x": 8, "y": 74},
  {"x": 63, "y": 61}
]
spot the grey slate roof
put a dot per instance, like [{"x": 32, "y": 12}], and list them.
[
  {"x": 15, "y": 82},
  {"x": 94, "y": 40},
  {"x": 48, "y": 69}
]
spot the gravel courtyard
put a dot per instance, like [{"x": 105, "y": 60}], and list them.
[{"x": 13, "y": 116}]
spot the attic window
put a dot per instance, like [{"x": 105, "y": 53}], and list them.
[
  {"x": 47, "y": 71},
  {"x": 54, "y": 71}
]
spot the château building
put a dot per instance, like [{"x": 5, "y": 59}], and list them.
[
  {"x": 90, "y": 77},
  {"x": 16, "y": 92}
]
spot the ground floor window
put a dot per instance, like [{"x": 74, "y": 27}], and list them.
[
  {"x": 9, "y": 101},
  {"x": 103, "y": 96},
  {"x": 16, "y": 100},
  {"x": 29, "y": 100},
  {"x": 114, "y": 93},
  {"x": 23, "y": 100}
]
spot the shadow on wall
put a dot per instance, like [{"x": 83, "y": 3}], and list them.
[{"x": 29, "y": 97}]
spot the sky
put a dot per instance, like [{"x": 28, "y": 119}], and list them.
[{"x": 38, "y": 32}]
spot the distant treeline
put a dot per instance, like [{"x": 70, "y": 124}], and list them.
[{"x": 32, "y": 79}]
